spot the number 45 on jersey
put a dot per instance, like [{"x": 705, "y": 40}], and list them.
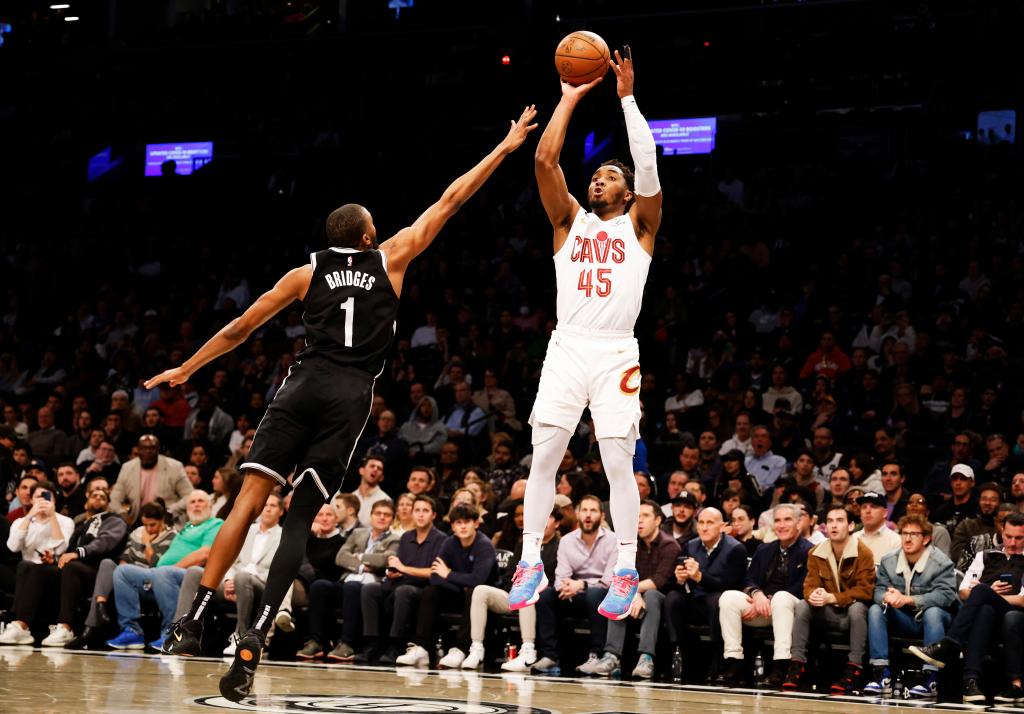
[{"x": 601, "y": 283}]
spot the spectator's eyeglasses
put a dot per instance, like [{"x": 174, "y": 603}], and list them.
[{"x": 912, "y": 534}]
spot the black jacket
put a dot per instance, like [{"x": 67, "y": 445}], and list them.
[
  {"x": 722, "y": 570},
  {"x": 796, "y": 567},
  {"x": 102, "y": 536}
]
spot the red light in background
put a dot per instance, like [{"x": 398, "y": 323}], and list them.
[
  {"x": 707, "y": 43},
  {"x": 506, "y": 60}
]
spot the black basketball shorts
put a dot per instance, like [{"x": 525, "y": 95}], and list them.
[{"x": 312, "y": 425}]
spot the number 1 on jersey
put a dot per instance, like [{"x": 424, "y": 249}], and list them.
[
  {"x": 349, "y": 306},
  {"x": 603, "y": 286}
]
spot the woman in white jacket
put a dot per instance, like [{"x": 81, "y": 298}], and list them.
[{"x": 41, "y": 536}]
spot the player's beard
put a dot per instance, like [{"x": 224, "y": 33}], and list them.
[{"x": 597, "y": 204}]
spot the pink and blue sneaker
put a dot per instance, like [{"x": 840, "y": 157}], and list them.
[
  {"x": 527, "y": 584},
  {"x": 615, "y": 605}
]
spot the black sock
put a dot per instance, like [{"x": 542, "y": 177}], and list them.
[
  {"x": 203, "y": 597},
  {"x": 306, "y": 503}
]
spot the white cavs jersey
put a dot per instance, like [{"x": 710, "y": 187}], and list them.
[
  {"x": 593, "y": 360},
  {"x": 600, "y": 271}
]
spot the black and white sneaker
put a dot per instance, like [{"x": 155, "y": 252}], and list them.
[
  {"x": 973, "y": 693},
  {"x": 185, "y": 638},
  {"x": 236, "y": 684}
]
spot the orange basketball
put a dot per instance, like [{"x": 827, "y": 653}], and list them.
[{"x": 581, "y": 57}]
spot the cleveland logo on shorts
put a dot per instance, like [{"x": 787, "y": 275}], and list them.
[{"x": 630, "y": 383}]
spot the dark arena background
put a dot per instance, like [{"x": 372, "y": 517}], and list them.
[{"x": 834, "y": 315}]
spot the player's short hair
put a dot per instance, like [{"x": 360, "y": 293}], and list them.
[
  {"x": 346, "y": 225},
  {"x": 627, "y": 173}
]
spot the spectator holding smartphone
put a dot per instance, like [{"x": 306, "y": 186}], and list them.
[
  {"x": 41, "y": 536},
  {"x": 991, "y": 588}
]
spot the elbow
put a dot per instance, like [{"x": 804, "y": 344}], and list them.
[
  {"x": 545, "y": 160},
  {"x": 235, "y": 331}
]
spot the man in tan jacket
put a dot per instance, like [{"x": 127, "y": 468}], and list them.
[
  {"x": 148, "y": 477},
  {"x": 838, "y": 588}
]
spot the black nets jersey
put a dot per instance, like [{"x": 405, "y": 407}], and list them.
[{"x": 350, "y": 309}]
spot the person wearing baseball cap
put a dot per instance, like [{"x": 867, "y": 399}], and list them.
[
  {"x": 963, "y": 504},
  {"x": 680, "y": 525},
  {"x": 876, "y": 533}
]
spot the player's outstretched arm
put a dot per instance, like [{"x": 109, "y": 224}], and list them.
[
  {"x": 647, "y": 209},
  {"x": 559, "y": 204},
  {"x": 413, "y": 240},
  {"x": 289, "y": 288}
]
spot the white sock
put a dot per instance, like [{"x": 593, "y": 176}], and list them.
[
  {"x": 531, "y": 547},
  {"x": 627, "y": 556}
]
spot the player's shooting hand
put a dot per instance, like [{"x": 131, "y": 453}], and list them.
[
  {"x": 174, "y": 377},
  {"x": 517, "y": 133},
  {"x": 623, "y": 68},
  {"x": 576, "y": 93}
]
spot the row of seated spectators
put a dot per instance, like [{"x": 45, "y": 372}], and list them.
[{"x": 718, "y": 564}]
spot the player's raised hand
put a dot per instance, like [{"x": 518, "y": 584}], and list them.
[
  {"x": 576, "y": 92},
  {"x": 517, "y": 133},
  {"x": 174, "y": 377},
  {"x": 623, "y": 67}
]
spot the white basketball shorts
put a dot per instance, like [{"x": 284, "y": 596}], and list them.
[{"x": 598, "y": 369}]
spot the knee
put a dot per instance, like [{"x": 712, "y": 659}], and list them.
[
  {"x": 877, "y": 615},
  {"x": 858, "y": 610},
  {"x": 595, "y": 596},
  {"x": 243, "y": 579},
  {"x": 121, "y": 573},
  {"x": 1013, "y": 620},
  {"x": 937, "y": 616},
  {"x": 351, "y": 589},
  {"x": 654, "y": 598},
  {"x": 732, "y": 600}
]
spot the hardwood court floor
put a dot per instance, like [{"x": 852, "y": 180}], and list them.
[{"x": 43, "y": 681}]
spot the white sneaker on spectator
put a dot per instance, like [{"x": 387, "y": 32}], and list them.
[
  {"x": 415, "y": 656},
  {"x": 15, "y": 634},
  {"x": 452, "y": 660},
  {"x": 522, "y": 661},
  {"x": 229, "y": 651},
  {"x": 284, "y": 620},
  {"x": 58, "y": 637},
  {"x": 588, "y": 666},
  {"x": 475, "y": 657},
  {"x": 547, "y": 667}
]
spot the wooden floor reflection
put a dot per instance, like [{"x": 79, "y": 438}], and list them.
[{"x": 36, "y": 680}]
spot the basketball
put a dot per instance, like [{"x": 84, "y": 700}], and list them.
[{"x": 581, "y": 57}]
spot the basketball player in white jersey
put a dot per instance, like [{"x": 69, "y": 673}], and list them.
[{"x": 601, "y": 262}]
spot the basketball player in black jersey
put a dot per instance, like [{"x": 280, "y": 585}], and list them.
[{"x": 349, "y": 294}]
